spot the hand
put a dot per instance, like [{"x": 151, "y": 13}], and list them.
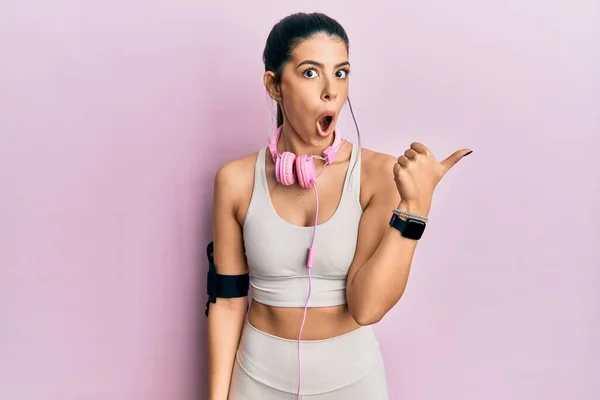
[{"x": 417, "y": 173}]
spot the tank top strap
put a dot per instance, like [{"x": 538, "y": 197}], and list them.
[
  {"x": 261, "y": 186},
  {"x": 260, "y": 190},
  {"x": 352, "y": 183}
]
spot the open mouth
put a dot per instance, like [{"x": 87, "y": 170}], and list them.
[{"x": 325, "y": 122}]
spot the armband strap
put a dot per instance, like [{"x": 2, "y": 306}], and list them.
[{"x": 224, "y": 286}]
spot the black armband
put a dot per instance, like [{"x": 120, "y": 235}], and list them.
[{"x": 224, "y": 286}]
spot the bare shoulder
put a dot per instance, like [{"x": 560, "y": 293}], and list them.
[
  {"x": 236, "y": 176},
  {"x": 378, "y": 175},
  {"x": 233, "y": 185}
]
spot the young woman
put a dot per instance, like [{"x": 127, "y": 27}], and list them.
[{"x": 325, "y": 230}]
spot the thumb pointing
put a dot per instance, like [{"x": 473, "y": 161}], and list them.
[{"x": 455, "y": 157}]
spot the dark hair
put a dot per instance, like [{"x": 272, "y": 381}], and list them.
[{"x": 288, "y": 33}]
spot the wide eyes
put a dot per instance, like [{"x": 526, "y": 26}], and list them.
[
  {"x": 342, "y": 73},
  {"x": 312, "y": 73}
]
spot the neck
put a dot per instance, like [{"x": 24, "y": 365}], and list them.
[{"x": 291, "y": 141}]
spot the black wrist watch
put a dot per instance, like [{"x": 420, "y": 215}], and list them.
[{"x": 410, "y": 229}]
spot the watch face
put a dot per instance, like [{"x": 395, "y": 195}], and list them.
[{"x": 414, "y": 229}]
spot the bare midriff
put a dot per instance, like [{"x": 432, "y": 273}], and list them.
[{"x": 321, "y": 323}]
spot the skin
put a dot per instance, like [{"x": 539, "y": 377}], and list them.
[{"x": 379, "y": 272}]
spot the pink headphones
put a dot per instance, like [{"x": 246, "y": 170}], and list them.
[{"x": 290, "y": 168}]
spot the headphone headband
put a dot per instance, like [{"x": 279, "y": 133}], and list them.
[{"x": 328, "y": 154}]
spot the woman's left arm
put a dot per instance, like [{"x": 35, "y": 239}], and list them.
[{"x": 381, "y": 265}]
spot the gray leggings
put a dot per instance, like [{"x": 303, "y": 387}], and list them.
[{"x": 346, "y": 367}]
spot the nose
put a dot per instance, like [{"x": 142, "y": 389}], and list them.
[{"x": 329, "y": 92}]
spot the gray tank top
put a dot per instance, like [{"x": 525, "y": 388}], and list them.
[{"x": 276, "y": 249}]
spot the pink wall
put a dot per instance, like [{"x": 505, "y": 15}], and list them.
[{"x": 114, "y": 117}]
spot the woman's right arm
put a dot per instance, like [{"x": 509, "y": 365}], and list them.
[{"x": 226, "y": 316}]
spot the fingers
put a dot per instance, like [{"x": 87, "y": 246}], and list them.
[
  {"x": 455, "y": 157},
  {"x": 397, "y": 170},
  {"x": 411, "y": 154},
  {"x": 403, "y": 161},
  {"x": 421, "y": 149}
]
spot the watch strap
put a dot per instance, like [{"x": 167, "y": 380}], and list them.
[{"x": 410, "y": 228}]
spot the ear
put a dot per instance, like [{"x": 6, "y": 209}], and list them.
[{"x": 271, "y": 85}]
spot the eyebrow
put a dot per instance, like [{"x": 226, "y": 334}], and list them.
[{"x": 320, "y": 65}]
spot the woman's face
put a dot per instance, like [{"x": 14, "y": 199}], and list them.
[{"x": 314, "y": 87}]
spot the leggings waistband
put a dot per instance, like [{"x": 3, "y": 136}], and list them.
[{"x": 326, "y": 365}]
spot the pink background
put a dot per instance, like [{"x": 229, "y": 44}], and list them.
[{"x": 114, "y": 117}]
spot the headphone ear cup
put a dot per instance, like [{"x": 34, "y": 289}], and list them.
[
  {"x": 305, "y": 171},
  {"x": 284, "y": 169}
]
